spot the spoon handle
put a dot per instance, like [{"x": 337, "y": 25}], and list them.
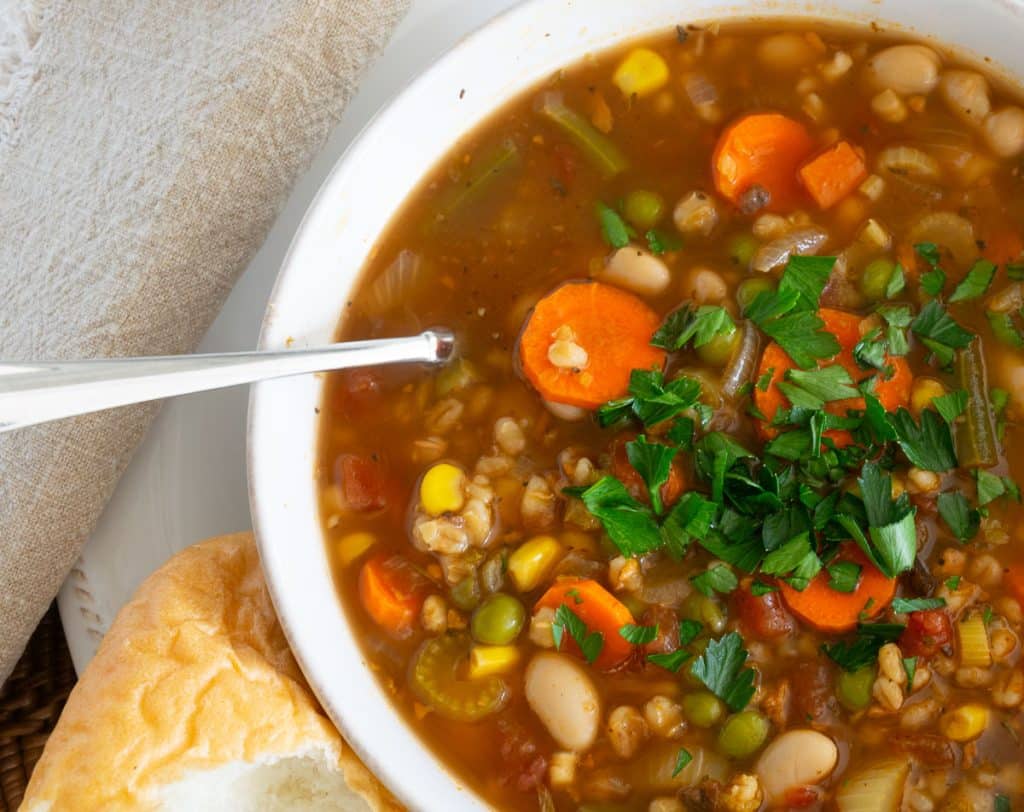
[{"x": 33, "y": 393}]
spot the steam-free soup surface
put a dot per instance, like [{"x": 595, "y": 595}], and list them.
[{"x": 717, "y": 508}]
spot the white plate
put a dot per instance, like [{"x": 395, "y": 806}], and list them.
[{"x": 187, "y": 481}]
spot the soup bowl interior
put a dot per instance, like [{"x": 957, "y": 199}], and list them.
[{"x": 338, "y": 234}]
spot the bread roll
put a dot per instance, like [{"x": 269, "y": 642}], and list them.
[{"x": 194, "y": 702}]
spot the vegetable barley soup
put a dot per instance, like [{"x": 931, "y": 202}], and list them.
[{"x": 717, "y": 509}]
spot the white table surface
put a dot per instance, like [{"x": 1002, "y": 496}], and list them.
[{"x": 188, "y": 479}]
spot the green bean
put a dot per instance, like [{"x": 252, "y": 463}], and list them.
[
  {"x": 719, "y": 350},
  {"x": 742, "y": 248},
  {"x": 598, "y": 148},
  {"x": 875, "y": 278},
  {"x": 743, "y": 734},
  {"x": 750, "y": 288},
  {"x": 853, "y": 688},
  {"x": 644, "y": 208},
  {"x": 977, "y": 444},
  {"x": 707, "y": 610},
  {"x": 498, "y": 620},
  {"x": 703, "y": 709}
]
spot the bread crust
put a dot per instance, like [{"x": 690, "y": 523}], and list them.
[{"x": 195, "y": 673}]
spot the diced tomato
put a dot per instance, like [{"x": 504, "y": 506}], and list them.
[
  {"x": 628, "y": 475},
  {"x": 667, "y": 622},
  {"x": 525, "y": 766},
  {"x": 359, "y": 394},
  {"x": 926, "y": 633},
  {"x": 763, "y": 616},
  {"x": 364, "y": 482}
]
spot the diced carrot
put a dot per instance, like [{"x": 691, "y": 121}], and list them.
[
  {"x": 828, "y": 610},
  {"x": 762, "y": 149},
  {"x": 892, "y": 392},
  {"x": 1003, "y": 245},
  {"x": 833, "y": 174},
  {"x": 392, "y": 591},
  {"x": 628, "y": 475},
  {"x": 599, "y": 610},
  {"x": 1014, "y": 580},
  {"x": 613, "y": 327}
]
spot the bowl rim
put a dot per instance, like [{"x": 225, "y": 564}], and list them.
[{"x": 407, "y": 789}]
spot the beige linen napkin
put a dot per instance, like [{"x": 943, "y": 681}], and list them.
[{"x": 145, "y": 149}]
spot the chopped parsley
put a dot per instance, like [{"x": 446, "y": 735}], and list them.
[
  {"x": 962, "y": 520},
  {"x": 938, "y": 331},
  {"x": 718, "y": 578},
  {"x": 683, "y": 758},
  {"x": 934, "y": 280},
  {"x": 653, "y": 461},
  {"x": 701, "y": 325},
  {"x": 721, "y": 669},
  {"x": 928, "y": 444},
  {"x": 843, "y": 576},
  {"x": 904, "y": 605},
  {"x": 629, "y": 524},
  {"x": 671, "y": 661},
  {"x": 951, "y": 405},
  {"x": 910, "y": 666},
  {"x": 638, "y": 635},
  {"x": 991, "y": 487},
  {"x": 590, "y": 643},
  {"x": 659, "y": 241},
  {"x": 651, "y": 399},
  {"x": 952, "y": 583},
  {"x": 813, "y": 388},
  {"x": 977, "y": 281},
  {"x": 688, "y": 631},
  {"x": 759, "y": 588},
  {"x": 862, "y": 650}
]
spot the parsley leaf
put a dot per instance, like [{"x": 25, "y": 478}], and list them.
[
  {"x": 659, "y": 241},
  {"x": 1002, "y": 804},
  {"x": 897, "y": 282},
  {"x": 939, "y": 332},
  {"x": 991, "y": 487},
  {"x": 813, "y": 388},
  {"x": 566, "y": 619},
  {"x": 653, "y": 461},
  {"x": 688, "y": 631},
  {"x": 891, "y": 526},
  {"x": 651, "y": 399},
  {"x": 928, "y": 444},
  {"x": 795, "y": 557},
  {"x": 897, "y": 319},
  {"x": 638, "y": 635},
  {"x": 902, "y": 605},
  {"x": 717, "y": 579},
  {"x": 843, "y": 576},
  {"x": 759, "y": 588},
  {"x": 1004, "y": 327},
  {"x": 802, "y": 337},
  {"x": 934, "y": 280},
  {"x": 862, "y": 650},
  {"x": 978, "y": 278},
  {"x": 962, "y": 519},
  {"x": 952, "y": 583},
  {"x": 683, "y": 758},
  {"x": 613, "y": 228},
  {"x": 951, "y": 405},
  {"x": 807, "y": 276},
  {"x": 690, "y": 519},
  {"x": 910, "y": 666},
  {"x": 700, "y": 325},
  {"x": 672, "y": 661},
  {"x": 721, "y": 670},
  {"x": 629, "y": 525}
]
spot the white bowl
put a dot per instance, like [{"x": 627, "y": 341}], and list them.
[{"x": 356, "y": 203}]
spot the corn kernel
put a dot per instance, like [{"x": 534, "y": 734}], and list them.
[
  {"x": 965, "y": 723},
  {"x": 642, "y": 72},
  {"x": 441, "y": 490},
  {"x": 353, "y": 546},
  {"x": 923, "y": 392},
  {"x": 530, "y": 563},
  {"x": 487, "y": 660}
]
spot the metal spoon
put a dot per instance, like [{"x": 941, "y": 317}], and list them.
[{"x": 33, "y": 393}]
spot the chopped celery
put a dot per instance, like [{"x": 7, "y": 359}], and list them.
[
  {"x": 599, "y": 148},
  {"x": 480, "y": 176}
]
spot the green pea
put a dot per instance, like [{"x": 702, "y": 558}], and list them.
[
  {"x": 743, "y": 734},
  {"x": 875, "y": 278},
  {"x": 707, "y": 610},
  {"x": 644, "y": 208},
  {"x": 466, "y": 593},
  {"x": 750, "y": 288},
  {"x": 853, "y": 688},
  {"x": 498, "y": 620},
  {"x": 703, "y": 709},
  {"x": 742, "y": 248},
  {"x": 719, "y": 350}
]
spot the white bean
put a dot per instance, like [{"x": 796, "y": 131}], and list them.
[
  {"x": 566, "y": 411},
  {"x": 696, "y": 214},
  {"x": 704, "y": 286},
  {"x": 907, "y": 69},
  {"x": 636, "y": 270},
  {"x": 797, "y": 758},
  {"x": 565, "y": 699},
  {"x": 1004, "y": 131},
  {"x": 966, "y": 94},
  {"x": 785, "y": 52}
]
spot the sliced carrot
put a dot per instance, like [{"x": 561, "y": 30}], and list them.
[
  {"x": 833, "y": 174},
  {"x": 612, "y": 326},
  {"x": 892, "y": 392},
  {"x": 392, "y": 591},
  {"x": 599, "y": 610},
  {"x": 762, "y": 149},
  {"x": 827, "y": 610},
  {"x": 1014, "y": 579}
]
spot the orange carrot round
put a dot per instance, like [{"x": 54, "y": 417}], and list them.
[
  {"x": 392, "y": 592},
  {"x": 832, "y": 175},
  {"x": 892, "y": 392},
  {"x": 613, "y": 327},
  {"x": 827, "y": 610},
  {"x": 762, "y": 149},
  {"x": 599, "y": 610}
]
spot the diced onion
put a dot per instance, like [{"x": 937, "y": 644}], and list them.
[
  {"x": 394, "y": 285},
  {"x": 801, "y": 242}
]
